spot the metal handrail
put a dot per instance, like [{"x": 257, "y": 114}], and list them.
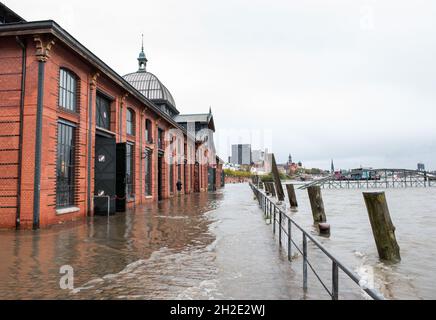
[{"x": 270, "y": 209}]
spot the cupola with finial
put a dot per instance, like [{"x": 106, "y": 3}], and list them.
[{"x": 142, "y": 60}]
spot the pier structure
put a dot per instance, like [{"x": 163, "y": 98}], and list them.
[{"x": 378, "y": 179}]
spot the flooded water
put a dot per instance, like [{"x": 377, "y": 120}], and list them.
[
  {"x": 217, "y": 246},
  {"x": 413, "y": 212},
  {"x": 203, "y": 246}
]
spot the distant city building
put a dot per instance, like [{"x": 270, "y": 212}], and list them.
[
  {"x": 258, "y": 157},
  {"x": 268, "y": 163},
  {"x": 241, "y": 154},
  {"x": 332, "y": 167},
  {"x": 290, "y": 159},
  {"x": 421, "y": 167}
]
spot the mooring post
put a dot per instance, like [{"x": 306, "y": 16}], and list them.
[
  {"x": 276, "y": 178},
  {"x": 272, "y": 191},
  {"x": 425, "y": 179},
  {"x": 316, "y": 204},
  {"x": 382, "y": 226},
  {"x": 291, "y": 195}
]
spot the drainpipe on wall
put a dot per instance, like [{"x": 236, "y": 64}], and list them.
[
  {"x": 42, "y": 54},
  {"x": 20, "y": 143},
  {"x": 92, "y": 87}
]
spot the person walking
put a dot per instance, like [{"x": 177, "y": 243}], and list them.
[{"x": 179, "y": 186}]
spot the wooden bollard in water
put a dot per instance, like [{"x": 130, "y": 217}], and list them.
[
  {"x": 276, "y": 180},
  {"x": 316, "y": 204},
  {"x": 382, "y": 226},
  {"x": 324, "y": 228},
  {"x": 267, "y": 189},
  {"x": 291, "y": 195},
  {"x": 273, "y": 190}
]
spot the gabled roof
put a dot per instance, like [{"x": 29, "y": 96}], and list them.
[
  {"x": 200, "y": 117},
  {"x": 8, "y": 16},
  {"x": 204, "y": 118}
]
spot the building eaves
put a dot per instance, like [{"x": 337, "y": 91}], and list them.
[{"x": 51, "y": 27}]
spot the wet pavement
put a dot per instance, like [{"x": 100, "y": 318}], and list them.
[{"x": 201, "y": 246}]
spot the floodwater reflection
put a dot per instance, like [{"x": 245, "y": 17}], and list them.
[{"x": 101, "y": 246}]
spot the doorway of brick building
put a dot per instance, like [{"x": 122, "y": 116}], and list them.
[
  {"x": 104, "y": 173},
  {"x": 211, "y": 179},
  {"x": 121, "y": 167},
  {"x": 159, "y": 177}
]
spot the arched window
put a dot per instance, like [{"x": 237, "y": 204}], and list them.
[
  {"x": 130, "y": 119},
  {"x": 67, "y": 90},
  {"x": 148, "y": 131}
]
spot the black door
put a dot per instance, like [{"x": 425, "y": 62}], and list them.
[
  {"x": 104, "y": 173},
  {"x": 121, "y": 178},
  {"x": 211, "y": 179},
  {"x": 159, "y": 177},
  {"x": 223, "y": 178}
]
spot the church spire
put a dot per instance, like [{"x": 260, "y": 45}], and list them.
[{"x": 142, "y": 60}]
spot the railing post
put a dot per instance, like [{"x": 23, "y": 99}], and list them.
[
  {"x": 274, "y": 222},
  {"x": 304, "y": 262},
  {"x": 335, "y": 281},
  {"x": 280, "y": 228},
  {"x": 289, "y": 240}
]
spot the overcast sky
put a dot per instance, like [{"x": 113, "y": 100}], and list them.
[{"x": 350, "y": 80}]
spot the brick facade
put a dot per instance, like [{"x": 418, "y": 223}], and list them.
[{"x": 18, "y": 106}]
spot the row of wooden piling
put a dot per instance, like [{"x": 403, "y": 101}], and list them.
[
  {"x": 378, "y": 212},
  {"x": 382, "y": 227}
]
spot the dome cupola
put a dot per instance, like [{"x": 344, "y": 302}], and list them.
[{"x": 151, "y": 87}]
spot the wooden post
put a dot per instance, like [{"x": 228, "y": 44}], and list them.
[
  {"x": 276, "y": 177},
  {"x": 316, "y": 204},
  {"x": 273, "y": 190},
  {"x": 291, "y": 195},
  {"x": 382, "y": 226},
  {"x": 267, "y": 188}
]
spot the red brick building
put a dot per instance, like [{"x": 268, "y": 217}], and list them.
[{"x": 77, "y": 139}]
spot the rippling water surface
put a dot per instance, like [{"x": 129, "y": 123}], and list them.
[
  {"x": 217, "y": 246},
  {"x": 413, "y": 212},
  {"x": 203, "y": 246}
]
